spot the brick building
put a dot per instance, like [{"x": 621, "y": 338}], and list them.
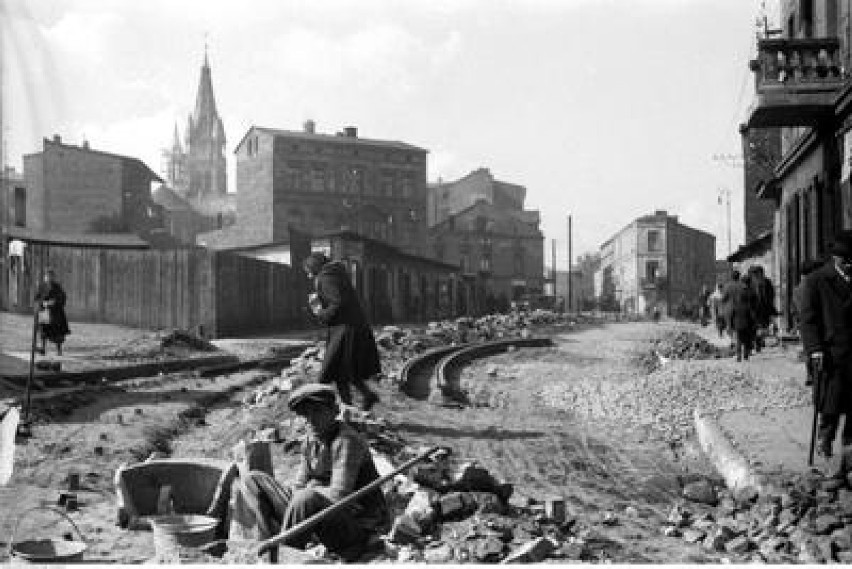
[
  {"x": 655, "y": 261},
  {"x": 480, "y": 224},
  {"x": 803, "y": 95},
  {"x": 76, "y": 189},
  {"x": 318, "y": 182}
]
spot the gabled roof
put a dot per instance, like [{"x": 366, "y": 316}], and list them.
[
  {"x": 129, "y": 159},
  {"x": 317, "y": 137}
]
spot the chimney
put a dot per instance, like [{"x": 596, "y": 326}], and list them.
[
  {"x": 350, "y": 132},
  {"x": 310, "y": 127},
  {"x": 661, "y": 213},
  {"x": 86, "y": 144},
  {"x": 57, "y": 139}
]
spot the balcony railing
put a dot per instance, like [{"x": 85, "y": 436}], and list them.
[{"x": 795, "y": 81}]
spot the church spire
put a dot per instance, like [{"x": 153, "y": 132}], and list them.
[{"x": 205, "y": 140}]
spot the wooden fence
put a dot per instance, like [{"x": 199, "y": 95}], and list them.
[{"x": 220, "y": 294}]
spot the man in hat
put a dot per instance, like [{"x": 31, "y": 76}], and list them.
[
  {"x": 826, "y": 327},
  {"x": 336, "y": 462}
]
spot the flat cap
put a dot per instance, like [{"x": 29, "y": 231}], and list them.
[{"x": 312, "y": 392}]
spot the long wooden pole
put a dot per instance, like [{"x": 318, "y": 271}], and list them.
[
  {"x": 570, "y": 254},
  {"x": 283, "y": 537}
]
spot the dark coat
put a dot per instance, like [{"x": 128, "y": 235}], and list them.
[
  {"x": 764, "y": 292},
  {"x": 826, "y": 326},
  {"x": 740, "y": 302},
  {"x": 350, "y": 352},
  {"x": 58, "y": 327}
]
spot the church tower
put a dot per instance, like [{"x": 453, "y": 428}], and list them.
[{"x": 205, "y": 143}]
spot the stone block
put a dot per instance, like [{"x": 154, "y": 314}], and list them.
[
  {"x": 488, "y": 550},
  {"x": 826, "y": 523},
  {"x": 443, "y": 553},
  {"x": 701, "y": 491},
  {"x": 405, "y": 530},
  {"x": 532, "y": 552},
  {"x": 693, "y": 535},
  {"x": 738, "y": 545}
]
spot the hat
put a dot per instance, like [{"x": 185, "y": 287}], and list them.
[
  {"x": 312, "y": 392},
  {"x": 842, "y": 246}
]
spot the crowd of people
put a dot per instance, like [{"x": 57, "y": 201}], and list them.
[{"x": 743, "y": 308}]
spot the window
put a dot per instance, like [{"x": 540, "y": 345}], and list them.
[
  {"x": 318, "y": 180},
  {"x": 20, "y": 207},
  {"x": 654, "y": 243},
  {"x": 484, "y": 264},
  {"x": 652, "y": 270}
]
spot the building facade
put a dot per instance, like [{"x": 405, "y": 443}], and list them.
[
  {"x": 480, "y": 224},
  {"x": 803, "y": 94},
  {"x": 76, "y": 189},
  {"x": 317, "y": 183},
  {"x": 655, "y": 261}
]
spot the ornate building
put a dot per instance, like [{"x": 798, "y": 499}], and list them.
[{"x": 196, "y": 170}]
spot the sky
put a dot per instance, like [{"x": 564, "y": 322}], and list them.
[{"x": 604, "y": 110}]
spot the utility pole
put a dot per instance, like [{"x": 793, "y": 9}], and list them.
[
  {"x": 553, "y": 264},
  {"x": 568, "y": 304}
]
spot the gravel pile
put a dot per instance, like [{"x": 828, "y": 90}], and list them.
[
  {"x": 158, "y": 346},
  {"x": 808, "y": 519},
  {"x": 666, "y": 399}
]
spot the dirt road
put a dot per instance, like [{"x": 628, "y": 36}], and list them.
[{"x": 619, "y": 479}]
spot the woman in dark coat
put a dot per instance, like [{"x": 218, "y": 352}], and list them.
[
  {"x": 351, "y": 356},
  {"x": 51, "y": 297}
]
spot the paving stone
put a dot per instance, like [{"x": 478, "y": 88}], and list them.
[
  {"x": 738, "y": 545},
  {"x": 532, "y": 552},
  {"x": 489, "y": 550},
  {"x": 405, "y": 530},
  {"x": 443, "y": 553},
  {"x": 701, "y": 491},
  {"x": 844, "y": 557},
  {"x": 745, "y": 496},
  {"x": 693, "y": 535},
  {"x": 832, "y": 484},
  {"x": 773, "y": 545},
  {"x": 826, "y": 524},
  {"x": 451, "y": 505},
  {"x": 842, "y": 538}
]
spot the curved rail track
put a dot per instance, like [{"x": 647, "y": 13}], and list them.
[{"x": 435, "y": 374}]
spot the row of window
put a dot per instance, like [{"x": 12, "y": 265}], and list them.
[{"x": 348, "y": 180}]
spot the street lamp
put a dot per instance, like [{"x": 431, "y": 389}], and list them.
[{"x": 724, "y": 196}]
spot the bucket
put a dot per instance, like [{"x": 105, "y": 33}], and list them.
[
  {"x": 47, "y": 550},
  {"x": 173, "y": 531}
]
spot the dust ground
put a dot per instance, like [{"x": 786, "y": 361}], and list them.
[{"x": 613, "y": 468}]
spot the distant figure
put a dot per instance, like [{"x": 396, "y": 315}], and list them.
[
  {"x": 655, "y": 313},
  {"x": 50, "y": 302},
  {"x": 826, "y": 326},
  {"x": 765, "y": 311},
  {"x": 741, "y": 305},
  {"x": 351, "y": 356},
  {"x": 704, "y": 305},
  {"x": 717, "y": 310}
]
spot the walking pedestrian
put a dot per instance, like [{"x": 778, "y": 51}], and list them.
[
  {"x": 704, "y": 305},
  {"x": 351, "y": 356},
  {"x": 741, "y": 299},
  {"x": 765, "y": 311},
  {"x": 50, "y": 304},
  {"x": 728, "y": 291},
  {"x": 717, "y": 310},
  {"x": 826, "y": 326}
]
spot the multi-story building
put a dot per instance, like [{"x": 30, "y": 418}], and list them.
[
  {"x": 76, "y": 189},
  {"x": 318, "y": 183},
  {"x": 655, "y": 261},
  {"x": 803, "y": 94},
  {"x": 480, "y": 224}
]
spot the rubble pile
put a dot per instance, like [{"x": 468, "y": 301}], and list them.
[
  {"x": 302, "y": 369},
  {"x": 808, "y": 519},
  {"x": 666, "y": 399},
  {"x": 158, "y": 346},
  {"x": 680, "y": 345}
]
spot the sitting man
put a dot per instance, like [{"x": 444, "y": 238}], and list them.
[{"x": 336, "y": 462}]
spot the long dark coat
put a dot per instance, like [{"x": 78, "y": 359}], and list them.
[
  {"x": 58, "y": 327},
  {"x": 741, "y": 304},
  {"x": 826, "y": 326},
  {"x": 350, "y": 352}
]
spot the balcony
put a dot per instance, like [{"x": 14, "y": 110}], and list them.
[{"x": 796, "y": 81}]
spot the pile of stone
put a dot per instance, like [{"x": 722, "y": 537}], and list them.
[
  {"x": 687, "y": 346},
  {"x": 665, "y": 400},
  {"x": 302, "y": 369},
  {"x": 808, "y": 519},
  {"x": 158, "y": 346},
  {"x": 445, "y": 513}
]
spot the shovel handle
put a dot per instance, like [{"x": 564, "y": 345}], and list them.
[{"x": 284, "y": 536}]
